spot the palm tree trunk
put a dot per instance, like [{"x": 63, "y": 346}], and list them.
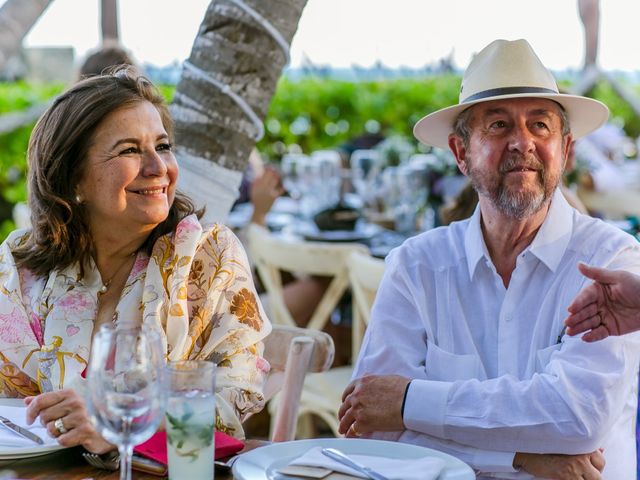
[
  {"x": 109, "y": 22},
  {"x": 16, "y": 19},
  {"x": 215, "y": 131}
]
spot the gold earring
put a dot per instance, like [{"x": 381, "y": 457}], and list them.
[{"x": 78, "y": 198}]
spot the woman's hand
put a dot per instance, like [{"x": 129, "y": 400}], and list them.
[
  {"x": 587, "y": 466},
  {"x": 70, "y": 408}
]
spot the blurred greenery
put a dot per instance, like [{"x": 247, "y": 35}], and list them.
[
  {"x": 304, "y": 116},
  {"x": 20, "y": 95},
  {"x": 312, "y": 114},
  {"x": 621, "y": 113}
]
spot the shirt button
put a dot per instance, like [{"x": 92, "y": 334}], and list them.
[{"x": 508, "y": 318}]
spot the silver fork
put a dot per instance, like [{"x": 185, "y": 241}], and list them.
[{"x": 110, "y": 461}]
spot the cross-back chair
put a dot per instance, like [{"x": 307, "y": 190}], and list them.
[{"x": 292, "y": 352}]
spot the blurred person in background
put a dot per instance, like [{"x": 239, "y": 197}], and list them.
[
  {"x": 108, "y": 56},
  {"x": 603, "y": 153}
]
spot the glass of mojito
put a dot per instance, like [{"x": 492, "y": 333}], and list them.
[{"x": 191, "y": 415}]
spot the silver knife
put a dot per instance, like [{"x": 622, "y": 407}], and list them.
[
  {"x": 21, "y": 431},
  {"x": 340, "y": 457}
]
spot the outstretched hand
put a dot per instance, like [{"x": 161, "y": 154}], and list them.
[{"x": 609, "y": 306}]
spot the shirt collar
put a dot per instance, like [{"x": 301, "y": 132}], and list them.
[
  {"x": 474, "y": 242},
  {"x": 553, "y": 237},
  {"x": 548, "y": 245}
]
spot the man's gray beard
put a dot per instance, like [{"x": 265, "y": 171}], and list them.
[
  {"x": 519, "y": 205},
  {"x": 514, "y": 205}
]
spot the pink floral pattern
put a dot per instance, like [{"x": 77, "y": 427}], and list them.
[
  {"x": 75, "y": 302},
  {"x": 12, "y": 328}
]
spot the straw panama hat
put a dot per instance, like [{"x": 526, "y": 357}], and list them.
[{"x": 509, "y": 69}]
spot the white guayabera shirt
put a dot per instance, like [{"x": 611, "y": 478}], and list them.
[{"x": 493, "y": 373}]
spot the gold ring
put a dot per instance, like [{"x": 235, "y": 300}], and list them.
[
  {"x": 353, "y": 429},
  {"x": 60, "y": 426}
]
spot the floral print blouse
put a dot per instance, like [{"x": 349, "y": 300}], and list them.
[{"x": 196, "y": 287}]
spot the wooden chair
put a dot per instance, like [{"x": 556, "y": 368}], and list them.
[
  {"x": 272, "y": 254},
  {"x": 365, "y": 275},
  {"x": 322, "y": 393},
  {"x": 292, "y": 352}
]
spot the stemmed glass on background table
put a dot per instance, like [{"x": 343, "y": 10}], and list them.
[{"x": 126, "y": 387}]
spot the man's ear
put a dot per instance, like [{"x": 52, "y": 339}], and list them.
[
  {"x": 456, "y": 145},
  {"x": 568, "y": 152}
]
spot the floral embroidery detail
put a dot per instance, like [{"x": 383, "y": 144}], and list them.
[
  {"x": 12, "y": 328},
  {"x": 244, "y": 306},
  {"x": 263, "y": 365},
  {"x": 75, "y": 302},
  {"x": 72, "y": 330},
  {"x": 139, "y": 265},
  {"x": 184, "y": 228},
  {"x": 196, "y": 271}
]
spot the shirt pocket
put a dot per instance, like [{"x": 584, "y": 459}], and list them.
[
  {"x": 446, "y": 366},
  {"x": 543, "y": 357}
]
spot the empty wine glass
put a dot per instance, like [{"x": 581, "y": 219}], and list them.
[
  {"x": 365, "y": 167},
  {"x": 291, "y": 165},
  {"x": 126, "y": 387}
]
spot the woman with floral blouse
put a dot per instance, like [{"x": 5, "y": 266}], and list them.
[{"x": 112, "y": 241}]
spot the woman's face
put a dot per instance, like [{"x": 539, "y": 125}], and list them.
[{"x": 130, "y": 175}]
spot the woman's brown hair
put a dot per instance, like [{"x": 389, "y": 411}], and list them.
[{"x": 57, "y": 159}]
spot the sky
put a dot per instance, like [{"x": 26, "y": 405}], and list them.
[{"x": 342, "y": 33}]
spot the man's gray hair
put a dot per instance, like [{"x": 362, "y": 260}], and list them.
[{"x": 462, "y": 128}]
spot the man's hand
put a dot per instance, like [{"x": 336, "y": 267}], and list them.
[
  {"x": 586, "y": 466},
  {"x": 372, "y": 403},
  {"x": 609, "y": 306}
]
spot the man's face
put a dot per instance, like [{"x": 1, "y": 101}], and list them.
[{"x": 516, "y": 153}]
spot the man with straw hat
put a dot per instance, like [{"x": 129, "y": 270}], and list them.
[{"x": 466, "y": 350}]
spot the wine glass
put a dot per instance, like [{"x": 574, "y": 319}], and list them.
[
  {"x": 365, "y": 167},
  {"x": 290, "y": 167},
  {"x": 126, "y": 383}
]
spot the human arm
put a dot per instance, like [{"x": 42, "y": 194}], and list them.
[
  {"x": 566, "y": 404},
  {"x": 608, "y": 306},
  {"x": 235, "y": 342},
  {"x": 70, "y": 407},
  {"x": 212, "y": 313},
  {"x": 264, "y": 191},
  {"x": 373, "y": 403}
]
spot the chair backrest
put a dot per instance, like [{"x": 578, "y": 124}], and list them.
[
  {"x": 365, "y": 274},
  {"x": 272, "y": 254},
  {"x": 292, "y": 352}
]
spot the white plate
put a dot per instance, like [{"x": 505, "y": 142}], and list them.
[
  {"x": 262, "y": 463},
  {"x": 8, "y": 453}
]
